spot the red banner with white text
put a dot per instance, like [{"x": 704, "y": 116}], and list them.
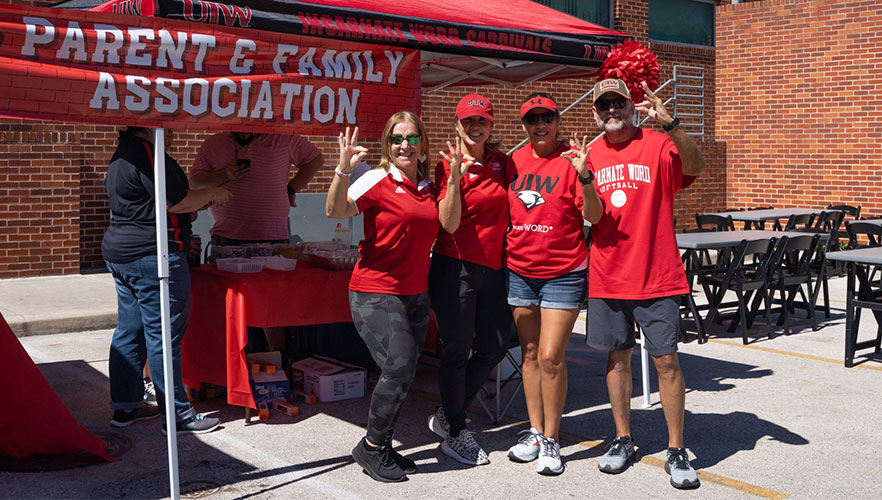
[{"x": 96, "y": 67}]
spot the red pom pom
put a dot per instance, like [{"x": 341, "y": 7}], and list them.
[{"x": 632, "y": 63}]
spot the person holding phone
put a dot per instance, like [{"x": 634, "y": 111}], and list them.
[{"x": 256, "y": 168}]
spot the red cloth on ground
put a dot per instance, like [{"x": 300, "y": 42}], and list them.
[
  {"x": 223, "y": 303},
  {"x": 34, "y": 421}
]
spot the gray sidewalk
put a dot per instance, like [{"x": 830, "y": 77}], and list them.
[
  {"x": 775, "y": 419},
  {"x": 56, "y": 304}
]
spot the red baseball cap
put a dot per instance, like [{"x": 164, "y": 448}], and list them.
[
  {"x": 474, "y": 105},
  {"x": 537, "y": 102}
]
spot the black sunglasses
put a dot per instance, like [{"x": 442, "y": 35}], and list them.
[
  {"x": 412, "y": 139},
  {"x": 547, "y": 117},
  {"x": 604, "y": 104}
]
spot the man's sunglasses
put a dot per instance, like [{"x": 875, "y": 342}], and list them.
[
  {"x": 547, "y": 117},
  {"x": 412, "y": 139},
  {"x": 604, "y": 104}
]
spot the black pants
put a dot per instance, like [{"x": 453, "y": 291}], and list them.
[
  {"x": 394, "y": 329},
  {"x": 469, "y": 301}
]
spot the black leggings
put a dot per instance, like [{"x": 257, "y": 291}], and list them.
[{"x": 469, "y": 301}]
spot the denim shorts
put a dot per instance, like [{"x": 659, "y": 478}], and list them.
[{"x": 563, "y": 292}]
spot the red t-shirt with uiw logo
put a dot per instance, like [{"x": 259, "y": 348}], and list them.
[
  {"x": 400, "y": 224},
  {"x": 545, "y": 204},
  {"x": 634, "y": 252},
  {"x": 484, "y": 217}
]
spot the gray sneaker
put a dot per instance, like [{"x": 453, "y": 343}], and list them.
[
  {"x": 438, "y": 423},
  {"x": 682, "y": 474},
  {"x": 149, "y": 392},
  {"x": 197, "y": 424},
  {"x": 619, "y": 456}
]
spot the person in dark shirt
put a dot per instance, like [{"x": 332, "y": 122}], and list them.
[{"x": 129, "y": 250}]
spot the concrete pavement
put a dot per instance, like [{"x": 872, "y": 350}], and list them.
[{"x": 775, "y": 419}]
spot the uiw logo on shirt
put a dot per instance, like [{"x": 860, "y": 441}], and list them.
[{"x": 529, "y": 190}]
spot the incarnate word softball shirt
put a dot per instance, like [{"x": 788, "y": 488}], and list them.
[{"x": 634, "y": 252}]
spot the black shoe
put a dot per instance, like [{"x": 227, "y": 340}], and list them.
[
  {"x": 404, "y": 463},
  {"x": 197, "y": 424},
  {"x": 378, "y": 462},
  {"x": 122, "y": 418}
]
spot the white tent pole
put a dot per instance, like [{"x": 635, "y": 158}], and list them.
[
  {"x": 644, "y": 368},
  {"x": 162, "y": 269}
]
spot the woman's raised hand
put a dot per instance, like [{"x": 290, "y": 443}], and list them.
[
  {"x": 351, "y": 153},
  {"x": 579, "y": 156},
  {"x": 459, "y": 163}
]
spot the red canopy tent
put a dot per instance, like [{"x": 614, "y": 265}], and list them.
[{"x": 270, "y": 65}]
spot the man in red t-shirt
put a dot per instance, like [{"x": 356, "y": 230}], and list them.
[{"x": 635, "y": 272}]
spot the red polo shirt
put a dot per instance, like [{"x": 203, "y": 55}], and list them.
[
  {"x": 545, "y": 203},
  {"x": 400, "y": 224},
  {"x": 481, "y": 233}
]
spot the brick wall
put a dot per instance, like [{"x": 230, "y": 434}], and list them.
[
  {"x": 798, "y": 85},
  {"x": 53, "y": 173}
]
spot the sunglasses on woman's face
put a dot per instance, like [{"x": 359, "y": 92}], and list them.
[
  {"x": 547, "y": 117},
  {"x": 604, "y": 104},
  {"x": 412, "y": 139}
]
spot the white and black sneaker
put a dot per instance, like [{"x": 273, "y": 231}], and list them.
[
  {"x": 438, "y": 423},
  {"x": 149, "y": 392},
  {"x": 549, "y": 463},
  {"x": 465, "y": 449},
  {"x": 527, "y": 448},
  {"x": 677, "y": 464}
]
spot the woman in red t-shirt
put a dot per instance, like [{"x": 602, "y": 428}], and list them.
[
  {"x": 388, "y": 290},
  {"x": 547, "y": 262},
  {"x": 467, "y": 279}
]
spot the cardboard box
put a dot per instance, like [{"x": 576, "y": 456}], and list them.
[
  {"x": 329, "y": 379},
  {"x": 266, "y": 387}
]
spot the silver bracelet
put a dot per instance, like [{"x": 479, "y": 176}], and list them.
[{"x": 341, "y": 173}]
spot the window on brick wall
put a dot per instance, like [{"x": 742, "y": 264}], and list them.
[
  {"x": 593, "y": 11},
  {"x": 682, "y": 21}
]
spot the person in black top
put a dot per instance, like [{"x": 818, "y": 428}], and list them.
[{"x": 129, "y": 250}]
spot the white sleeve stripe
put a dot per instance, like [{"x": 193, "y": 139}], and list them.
[{"x": 364, "y": 183}]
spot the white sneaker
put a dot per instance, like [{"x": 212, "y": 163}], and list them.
[
  {"x": 465, "y": 449},
  {"x": 438, "y": 423},
  {"x": 549, "y": 463},
  {"x": 527, "y": 448}
]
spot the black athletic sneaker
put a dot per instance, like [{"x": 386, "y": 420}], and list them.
[
  {"x": 406, "y": 464},
  {"x": 197, "y": 424},
  {"x": 378, "y": 462},
  {"x": 123, "y": 418},
  {"x": 619, "y": 456}
]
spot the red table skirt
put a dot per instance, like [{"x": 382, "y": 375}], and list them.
[{"x": 223, "y": 303}]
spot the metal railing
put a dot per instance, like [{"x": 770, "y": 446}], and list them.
[{"x": 688, "y": 101}]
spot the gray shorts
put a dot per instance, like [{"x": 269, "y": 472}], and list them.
[{"x": 610, "y": 324}]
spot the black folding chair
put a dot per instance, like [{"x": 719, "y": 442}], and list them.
[
  {"x": 862, "y": 235},
  {"x": 513, "y": 378},
  {"x": 798, "y": 221},
  {"x": 748, "y": 276},
  {"x": 853, "y": 211},
  {"x": 714, "y": 222},
  {"x": 760, "y": 224},
  {"x": 825, "y": 223},
  {"x": 793, "y": 275}
]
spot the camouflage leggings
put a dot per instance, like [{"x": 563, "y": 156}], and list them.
[{"x": 394, "y": 329}]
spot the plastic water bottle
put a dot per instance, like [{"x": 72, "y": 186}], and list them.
[{"x": 343, "y": 235}]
